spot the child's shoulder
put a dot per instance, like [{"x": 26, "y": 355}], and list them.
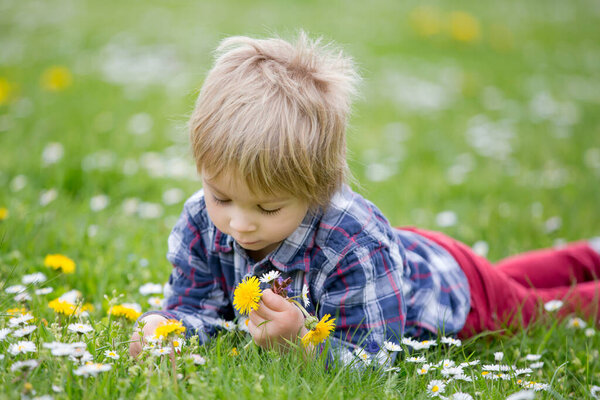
[
  {"x": 351, "y": 218},
  {"x": 195, "y": 207}
]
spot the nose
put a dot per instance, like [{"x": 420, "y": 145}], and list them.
[{"x": 241, "y": 222}]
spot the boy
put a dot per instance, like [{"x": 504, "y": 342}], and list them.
[{"x": 268, "y": 137}]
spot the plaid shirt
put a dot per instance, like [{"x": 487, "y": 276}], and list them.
[{"x": 379, "y": 282}]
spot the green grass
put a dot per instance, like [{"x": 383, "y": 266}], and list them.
[{"x": 529, "y": 81}]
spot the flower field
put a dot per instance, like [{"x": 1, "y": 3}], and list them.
[{"x": 478, "y": 120}]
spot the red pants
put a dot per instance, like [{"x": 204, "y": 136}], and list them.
[{"x": 512, "y": 292}]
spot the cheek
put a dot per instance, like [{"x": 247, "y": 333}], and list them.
[{"x": 216, "y": 215}]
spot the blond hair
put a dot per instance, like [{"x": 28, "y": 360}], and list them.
[{"x": 275, "y": 114}]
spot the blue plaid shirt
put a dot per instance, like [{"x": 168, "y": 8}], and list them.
[{"x": 379, "y": 282}]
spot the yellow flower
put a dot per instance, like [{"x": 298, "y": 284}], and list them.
[
  {"x": 56, "y": 78},
  {"x": 3, "y": 210},
  {"x": 426, "y": 20},
  {"x": 5, "y": 91},
  {"x": 86, "y": 307},
  {"x": 61, "y": 306},
  {"x": 247, "y": 295},
  {"x": 17, "y": 311},
  {"x": 171, "y": 327},
  {"x": 58, "y": 261},
  {"x": 320, "y": 332},
  {"x": 123, "y": 310},
  {"x": 463, "y": 26},
  {"x": 234, "y": 352}
]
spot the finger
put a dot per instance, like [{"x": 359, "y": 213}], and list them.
[
  {"x": 256, "y": 319},
  {"x": 265, "y": 312},
  {"x": 274, "y": 301}
]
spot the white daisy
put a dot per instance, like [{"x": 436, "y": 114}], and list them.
[
  {"x": 446, "y": 363},
  {"x": 450, "y": 341},
  {"x": 80, "y": 328},
  {"x": 228, "y": 325},
  {"x": 436, "y": 387},
  {"x": 419, "y": 359},
  {"x": 498, "y": 356},
  {"x": 305, "y": 298},
  {"x": 43, "y": 291},
  {"x": 111, "y": 354},
  {"x": 21, "y": 365},
  {"x": 178, "y": 344},
  {"x": 537, "y": 365},
  {"x": 391, "y": 346},
  {"x": 452, "y": 371},
  {"x": 522, "y": 371},
  {"x": 461, "y": 396},
  {"x": 72, "y": 296},
  {"x": 577, "y": 323},
  {"x": 424, "y": 369},
  {"x": 155, "y": 302},
  {"x": 161, "y": 351},
  {"x": 22, "y": 347},
  {"x": 270, "y": 276},
  {"x": 22, "y": 297},
  {"x": 37, "y": 277},
  {"x": 198, "y": 359},
  {"x": 589, "y": 332},
  {"x": 59, "y": 349},
  {"x": 362, "y": 355},
  {"x": 151, "y": 288},
  {"x": 522, "y": 395},
  {"x": 92, "y": 369},
  {"x": 595, "y": 391},
  {"x": 425, "y": 344},
  {"x": 470, "y": 363},
  {"x": 4, "y": 332},
  {"x": 242, "y": 325},
  {"x": 533, "y": 357},
  {"x": 15, "y": 289},
  {"x": 463, "y": 377},
  {"x": 553, "y": 305},
  {"x": 20, "y": 320},
  {"x": 24, "y": 331}
]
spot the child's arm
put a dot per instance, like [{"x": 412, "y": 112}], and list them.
[
  {"x": 364, "y": 292},
  {"x": 193, "y": 294}
]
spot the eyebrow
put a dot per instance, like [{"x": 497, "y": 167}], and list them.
[{"x": 261, "y": 201}]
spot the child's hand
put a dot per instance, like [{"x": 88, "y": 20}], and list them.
[
  {"x": 275, "y": 321},
  {"x": 151, "y": 323}
]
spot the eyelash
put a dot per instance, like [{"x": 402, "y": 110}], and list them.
[{"x": 262, "y": 210}]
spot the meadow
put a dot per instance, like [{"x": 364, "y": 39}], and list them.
[{"x": 478, "y": 119}]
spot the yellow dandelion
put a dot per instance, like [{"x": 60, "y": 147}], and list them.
[
  {"x": 123, "y": 310},
  {"x": 169, "y": 328},
  {"x": 17, "y": 311},
  {"x": 464, "y": 27},
  {"x": 320, "y": 332},
  {"x": 5, "y": 91},
  {"x": 426, "y": 20},
  {"x": 61, "y": 306},
  {"x": 59, "y": 261},
  {"x": 247, "y": 295},
  {"x": 234, "y": 352},
  {"x": 3, "y": 210},
  {"x": 86, "y": 307},
  {"x": 56, "y": 78}
]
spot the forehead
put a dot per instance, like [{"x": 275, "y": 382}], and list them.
[{"x": 235, "y": 187}]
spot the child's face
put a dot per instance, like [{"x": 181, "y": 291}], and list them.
[{"x": 257, "y": 222}]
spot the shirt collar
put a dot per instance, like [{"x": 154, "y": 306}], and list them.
[{"x": 289, "y": 256}]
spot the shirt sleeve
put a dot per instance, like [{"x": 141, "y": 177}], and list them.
[
  {"x": 193, "y": 293},
  {"x": 363, "y": 291}
]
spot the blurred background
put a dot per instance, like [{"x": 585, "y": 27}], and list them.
[{"x": 480, "y": 119}]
